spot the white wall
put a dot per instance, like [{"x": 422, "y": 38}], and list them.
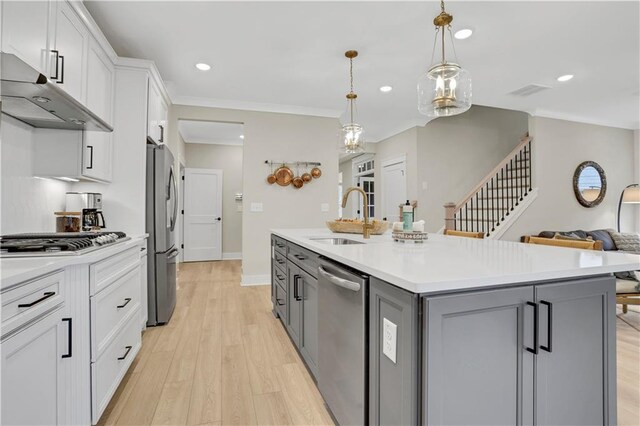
[
  {"x": 228, "y": 159},
  {"x": 455, "y": 153},
  {"x": 558, "y": 148},
  {"x": 27, "y": 203},
  {"x": 279, "y": 137}
]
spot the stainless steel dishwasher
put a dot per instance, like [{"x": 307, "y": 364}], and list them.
[{"x": 343, "y": 341}]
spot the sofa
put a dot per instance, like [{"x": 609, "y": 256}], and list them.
[{"x": 627, "y": 283}]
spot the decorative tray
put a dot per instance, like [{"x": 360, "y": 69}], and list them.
[
  {"x": 416, "y": 237},
  {"x": 355, "y": 226}
]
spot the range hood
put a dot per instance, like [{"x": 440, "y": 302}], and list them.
[{"x": 29, "y": 96}]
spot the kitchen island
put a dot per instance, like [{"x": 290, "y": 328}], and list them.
[{"x": 455, "y": 330}]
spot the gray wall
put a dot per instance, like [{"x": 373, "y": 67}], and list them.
[
  {"x": 558, "y": 148},
  {"x": 228, "y": 159},
  {"x": 455, "y": 153},
  {"x": 280, "y": 137}
]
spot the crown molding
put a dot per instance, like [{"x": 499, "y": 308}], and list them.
[
  {"x": 213, "y": 142},
  {"x": 255, "y": 106}
]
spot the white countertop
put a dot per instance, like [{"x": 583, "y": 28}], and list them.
[
  {"x": 14, "y": 270},
  {"x": 446, "y": 263}
]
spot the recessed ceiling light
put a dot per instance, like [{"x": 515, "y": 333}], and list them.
[
  {"x": 566, "y": 77},
  {"x": 463, "y": 33},
  {"x": 203, "y": 67},
  {"x": 385, "y": 89},
  {"x": 241, "y": 136}
]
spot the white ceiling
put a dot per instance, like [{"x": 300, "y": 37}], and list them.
[
  {"x": 210, "y": 132},
  {"x": 289, "y": 56}
]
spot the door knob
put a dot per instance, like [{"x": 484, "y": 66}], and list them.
[{"x": 218, "y": 219}]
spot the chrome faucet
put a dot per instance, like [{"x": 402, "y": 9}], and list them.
[{"x": 366, "y": 227}]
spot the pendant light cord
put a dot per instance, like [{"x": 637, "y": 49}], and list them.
[{"x": 351, "y": 84}]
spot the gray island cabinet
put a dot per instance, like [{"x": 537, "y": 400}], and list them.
[{"x": 527, "y": 353}]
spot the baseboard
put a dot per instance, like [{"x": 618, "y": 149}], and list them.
[
  {"x": 248, "y": 280},
  {"x": 232, "y": 256}
]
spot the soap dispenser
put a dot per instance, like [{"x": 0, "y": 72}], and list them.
[{"x": 407, "y": 217}]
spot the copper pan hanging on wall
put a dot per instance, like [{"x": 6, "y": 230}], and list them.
[{"x": 284, "y": 175}]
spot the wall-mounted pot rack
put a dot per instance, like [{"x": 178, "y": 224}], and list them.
[{"x": 284, "y": 176}]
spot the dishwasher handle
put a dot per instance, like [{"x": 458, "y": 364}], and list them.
[{"x": 340, "y": 282}]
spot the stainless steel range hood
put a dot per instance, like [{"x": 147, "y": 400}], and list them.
[{"x": 29, "y": 96}]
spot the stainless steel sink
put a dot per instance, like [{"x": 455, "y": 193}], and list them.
[{"x": 335, "y": 241}]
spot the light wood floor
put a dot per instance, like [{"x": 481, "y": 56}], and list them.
[{"x": 224, "y": 359}]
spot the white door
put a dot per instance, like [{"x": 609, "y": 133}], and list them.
[
  {"x": 202, "y": 215},
  {"x": 394, "y": 189}
]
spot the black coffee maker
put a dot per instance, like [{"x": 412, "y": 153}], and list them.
[{"x": 90, "y": 204}]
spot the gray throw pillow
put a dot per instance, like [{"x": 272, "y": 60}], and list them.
[
  {"x": 628, "y": 242},
  {"x": 603, "y": 235}
]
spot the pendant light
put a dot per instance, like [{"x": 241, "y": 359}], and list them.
[
  {"x": 351, "y": 138},
  {"x": 445, "y": 89}
]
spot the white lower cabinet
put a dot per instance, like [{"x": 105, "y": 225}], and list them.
[
  {"x": 32, "y": 392},
  {"x": 35, "y": 352},
  {"x": 112, "y": 365}
]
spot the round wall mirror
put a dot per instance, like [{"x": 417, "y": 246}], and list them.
[{"x": 589, "y": 184}]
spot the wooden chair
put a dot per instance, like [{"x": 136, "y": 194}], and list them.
[
  {"x": 626, "y": 290},
  {"x": 579, "y": 244},
  {"x": 479, "y": 235}
]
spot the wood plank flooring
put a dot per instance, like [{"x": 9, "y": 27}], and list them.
[{"x": 225, "y": 360}]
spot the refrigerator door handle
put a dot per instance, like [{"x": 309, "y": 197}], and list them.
[
  {"x": 173, "y": 253},
  {"x": 174, "y": 219}
]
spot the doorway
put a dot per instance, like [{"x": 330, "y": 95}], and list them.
[
  {"x": 394, "y": 187},
  {"x": 212, "y": 146},
  {"x": 203, "y": 215}
]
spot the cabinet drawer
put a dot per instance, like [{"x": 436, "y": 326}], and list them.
[
  {"x": 280, "y": 261},
  {"x": 307, "y": 260},
  {"x": 107, "y": 271},
  {"x": 111, "y": 366},
  {"x": 24, "y": 302},
  {"x": 111, "y": 307},
  {"x": 279, "y": 244},
  {"x": 279, "y": 278},
  {"x": 280, "y": 303}
]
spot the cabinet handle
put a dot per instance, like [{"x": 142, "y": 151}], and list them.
[
  {"x": 279, "y": 302},
  {"x": 69, "y": 338},
  {"x": 90, "y": 148},
  {"x": 55, "y": 77},
  {"x": 296, "y": 296},
  {"x": 549, "y": 306},
  {"x": 535, "y": 328},
  {"x": 126, "y": 302},
  {"x": 46, "y": 295},
  {"x": 161, "y": 133},
  {"x": 61, "y": 81},
  {"x": 300, "y": 257},
  {"x": 128, "y": 348},
  {"x": 280, "y": 261}
]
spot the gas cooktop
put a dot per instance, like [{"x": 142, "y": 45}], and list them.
[{"x": 57, "y": 244}]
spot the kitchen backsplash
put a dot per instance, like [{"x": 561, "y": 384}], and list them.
[{"x": 27, "y": 202}]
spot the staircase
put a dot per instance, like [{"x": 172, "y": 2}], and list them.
[{"x": 498, "y": 199}]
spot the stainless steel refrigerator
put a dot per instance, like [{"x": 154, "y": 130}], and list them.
[{"x": 162, "y": 214}]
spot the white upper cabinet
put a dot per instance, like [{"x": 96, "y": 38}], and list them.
[
  {"x": 100, "y": 75},
  {"x": 26, "y": 31},
  {"x": 157, "y": 114},
  {"x": 71, "y": 39}
]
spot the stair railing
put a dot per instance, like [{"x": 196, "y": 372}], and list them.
[{"x": 491, "y": 201}]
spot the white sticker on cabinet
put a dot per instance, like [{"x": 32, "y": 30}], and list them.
[{"x": 389, "y": 339}]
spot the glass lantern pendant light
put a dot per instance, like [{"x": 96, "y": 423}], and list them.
[
  {"x": 351, "y": 138},
  {"x": 445, "y": 89}
]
